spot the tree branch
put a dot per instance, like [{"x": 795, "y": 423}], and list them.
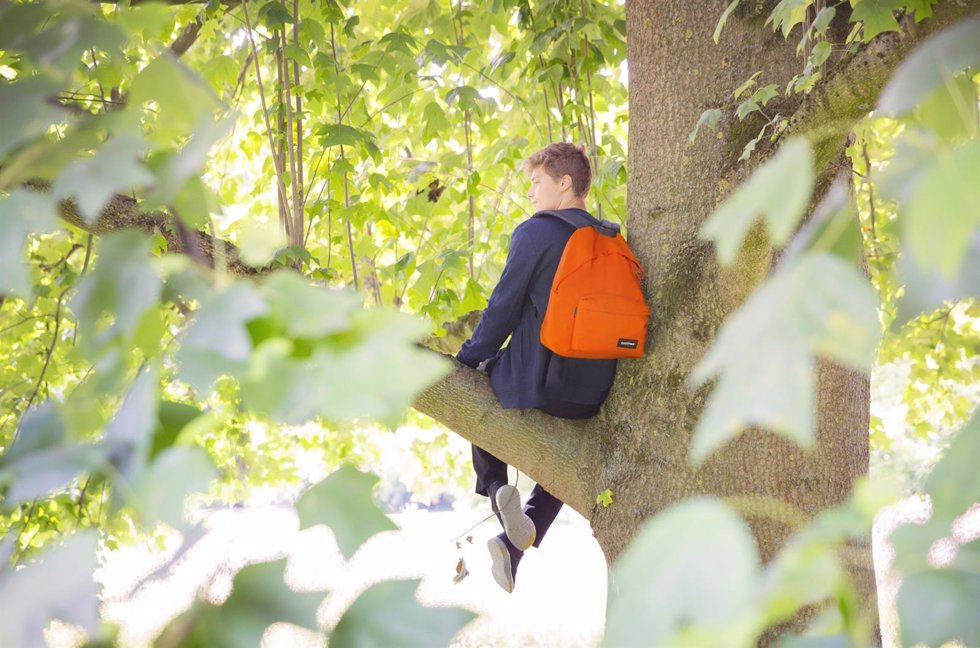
[
  {"x": 122, "y": 212},
  {"x": 560, "y": 454},
  {"x": 188, "y": 36},
  {"x": 851, "y": 92}
]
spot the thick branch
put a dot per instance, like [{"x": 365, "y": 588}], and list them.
[
  {"x": 851, "y": 92},
  {"x": 188, "y": 36},
  {"x": 122, "y": 212},
  {"x": 561, "y": 454}
]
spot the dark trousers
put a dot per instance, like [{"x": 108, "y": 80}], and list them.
[{"x": 542, "y": 507}]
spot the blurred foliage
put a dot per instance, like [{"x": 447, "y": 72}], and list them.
[{"x": 141, "y": 382}]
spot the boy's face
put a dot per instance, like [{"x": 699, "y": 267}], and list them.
[{"x": 546, "y": 192}]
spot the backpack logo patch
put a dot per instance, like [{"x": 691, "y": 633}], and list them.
[{"x": 627, "y": 344}]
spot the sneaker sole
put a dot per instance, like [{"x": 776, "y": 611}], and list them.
[
  {"x": 500, "y": 567},
  {"x": 517, "y": 525}
]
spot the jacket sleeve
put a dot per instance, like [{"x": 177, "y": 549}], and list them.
[{"x": 503, "y": 311}]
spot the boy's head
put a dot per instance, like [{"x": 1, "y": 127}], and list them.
[{"x": 560, "y": 176}]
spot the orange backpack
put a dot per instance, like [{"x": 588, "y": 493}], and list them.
[{"x": 596, "y": 308}]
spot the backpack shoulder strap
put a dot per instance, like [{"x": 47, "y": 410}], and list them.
[{"x": 577, "y": 221}]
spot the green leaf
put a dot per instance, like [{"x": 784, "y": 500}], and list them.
[
  {"x": 175, "y": 171},
  {"x": 473, "y": 298},
  {"x": 116, "y": 167},
  {"x": 123, "y": 284},
  {"x": 876, "y": 15},
  {"x": 750, "y": 146},
  {"x": 820, "y": 54},
  {"x": 746, "y": 108},
  {"x": 43, "y": 428},
  {"x": 41, "y": 473},
  {"x": 935, "y": 62},
  {"x": 22, "y": 213},
  {"x": 765, "y": 94},
  {"x": 708, "y": 118},
  {"x": 341, "y": 134},
  {"x": 57, "y": 43},
  {"x": 259, "y": 598},
  {"x": 305, "y": 310},
  {"x": 953, "y": 486},
  {"x": 724, "y": 18},
  {"x": 387, "y": 614},
  {"x": 778, "y": 191},
  {"x": 502, "y": 60},
  {"x": 295, "y": 53},
  {"x": 788, "y": 14},
  {"x": 58, "y": 585},
  {"x": 19, "y": 22},
  {"x": 273, "y": 15},
  {"x": 467, "y": 96},
  {"x": 942, "y": 215},
  {"x": 217, "y": 341},
  {"x": 177, "y": 472},
  {"x": 925, "y": 291},
  {"x": 806, "y": 571},
  {"x": 950, "y": 110},
  {"x": 922, "y": 8},
  {"x": 130, "y": 431},
  {"x": 667, "y": 579},
  {"x": 148, "y": 337},
  {"x": 152, "y": 21},
  {"x": 172, "y": 418},
  {"x": 42, "y": 460},
  {"x": 376, "y": 372},
  {"x": 824, "y": 17},
  {"x": 399, "y": 41},
  {"x": 26, "y": 112},
  {"x": 183, "y": 100},
  {"x": 937, "y": 606},
  {"x": 436, "y": 123},
  {"x": 259, "y": 240},
  {"x": 344, "y": 502},
  {"x": 818, "y": 305},
  {"x": 742, "y": 89},
  {"x": 605, "y": 498}
]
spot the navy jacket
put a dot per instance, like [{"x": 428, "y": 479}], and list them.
[{"x": 525, "y": 373}]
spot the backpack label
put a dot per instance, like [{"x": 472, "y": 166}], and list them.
[{"x": 627, "y": 344}]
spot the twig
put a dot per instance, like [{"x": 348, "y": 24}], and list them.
[
  {"x": 871, "y": 197},
  {"x": 44, "y": 368},
  {"x": 300, "y": 207},
  {"x": 340, "y": 120},
  {"x": 277, "y": 163}
]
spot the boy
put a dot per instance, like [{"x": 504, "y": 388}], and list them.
[{"x": 525, "y": 374}]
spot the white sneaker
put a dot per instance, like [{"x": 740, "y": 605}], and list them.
[
  {"x": 517, "y": 525},
  {"x": 500, "y": 568}
]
